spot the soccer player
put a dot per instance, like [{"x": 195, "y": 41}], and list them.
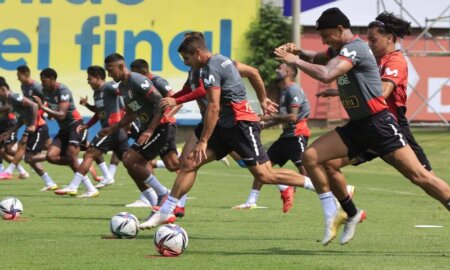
[
  {"x": 141, "y": 100},
  {"x": 229, "y": 125},
  {"x": 293, "y": 113},
  {"x": 350, "y": 61},
  {"x": 60, "y": 106},
  {"x": 108, "y": 112},
  {"x": 35, "y": 135}
]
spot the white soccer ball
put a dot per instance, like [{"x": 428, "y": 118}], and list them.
[
  {"x": 170, "y": 240},
  {"x": 11, "y": 208},
  {"x": 124, "y": 225}
]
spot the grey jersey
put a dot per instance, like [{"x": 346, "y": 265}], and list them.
[
  {"x": 193, "y": 82},
  {"x": 61, "y": 95},
  {"x": 135, "y": 92},
  {"x": 293, "y": 97},
  {"x": 33, "y": 89},
  {"x": 161, "y": 84},
  {"x": 22, "y": 113},
  {"x": 360, "y": 88},
  {"x": 108, "y": 104},
  {"x": 220, "y": 72}
]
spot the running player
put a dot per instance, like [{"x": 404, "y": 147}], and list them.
[
  {"x": 141, "y": 100},
  {"x": 35, "y": 135},
  {"x": 236, "y": 129},
  {"x": 350, "y": 61}
]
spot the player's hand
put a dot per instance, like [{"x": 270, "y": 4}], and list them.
[
  {"x": 284, "y": 56},
  {"x": 167, "y": 102},
  {"x": 269, "y": 107},
  {"x": 38, "y": 101},
  {"x": 145, "y": 136},
  {"x": 31, "y": 129},
  {"x": 173, "y": 111},
  {"x": 290, "y": 47},
  {"x": 81, "y": 128},
  {"x": 84, "y": 100},
  {"x": 199, "y": 152},
  {"x": 328, "y": 93}
]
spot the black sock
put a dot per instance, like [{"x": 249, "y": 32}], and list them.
[{"x": 348, "y": 206}]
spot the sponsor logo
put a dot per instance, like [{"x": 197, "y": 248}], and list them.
[
  {"x": 99, "y": 103},
  {"x": 348, "y": 54},
  {"x": 134, "y": 106},
  {"x": 343, "y": 80},
  {"x": 209, "y": 80},
  {"x": 390, "y": 72},
  {"x": 350, "y": 102},
  {"x": 65, "y": 97},
  {"x": 145, "y": 85},
  {"x": 143, "y": 118},
  {"x": 19, "y": 97},
  {"x": 226, "y": 63},
  {"x": 102, "y": 115}
]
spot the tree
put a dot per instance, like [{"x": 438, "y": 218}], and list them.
[{"x": 269, "y": 31}]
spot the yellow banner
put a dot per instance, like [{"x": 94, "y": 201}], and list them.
[{"x": 70, "y": 35}]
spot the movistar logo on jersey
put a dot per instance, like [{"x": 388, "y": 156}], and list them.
[
  {"x": 65, "y": 97},
  {"x": 209, "y": 80},
  {"x": 145, "y": 85},
  {"x": 19, "y": 98},
  {"x": 390, "y": 72},
  {"x": 348, "y": 54}
]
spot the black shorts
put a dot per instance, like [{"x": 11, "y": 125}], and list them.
[
  {"x": 243, "y": 138},
  {"x": 133, "y": 132},
  {"x": 151, "y": 149},
  {"x": 37, "y": 140},
  {"x": 68, "y": 136},
  {"x": 288, "y": 148},
  {"x": 170, "y": 143},
  {"x": 5, "y": 126},
  {"x": 116, "y": 142},
  {"x": 380, "y": 133},
  {"x": 84, "y": 144}
]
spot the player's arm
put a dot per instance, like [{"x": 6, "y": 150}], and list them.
[
  {"x": 84, "y": 102},
  {"x": 387, "y": 87},
  {"x": 320, "y": 58},
  {"x": 330, "y": 92},
  {"x": 154, "y": 97},
  {"x": 185, "y": 95},
  {"x": 252, "y": 74},
  {"x": 124, "y": 122},
  {"x": 336, "y": 67},
  {"x": 60, "y": 114},
  {"x": 33, "y": 108},
  {"x": 272, "y": 120}
]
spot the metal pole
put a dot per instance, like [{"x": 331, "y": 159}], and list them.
[{"x": 296, "y": 25}]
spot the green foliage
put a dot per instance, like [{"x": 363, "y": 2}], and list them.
[{"x": 265, "y": 34}]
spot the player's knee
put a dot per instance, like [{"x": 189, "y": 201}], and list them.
[
  {"x": 309, "y": 158},
  {"x": 51, "y": 158}
]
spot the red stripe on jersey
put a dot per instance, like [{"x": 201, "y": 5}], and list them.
[
  {"x": 346, "y": 59},
  {"x": 243, "y": 111},
  {"x": 214, "y": 88},
  {"x": 76, "y": 115},
  {"x": 195, "y": 94},
  {"x": 150, "y": 91},
  {"x": 376, "y": 105},
  {"x": 11, "y": 116},
  {"x": 295, "y": 106},
  {"x": 114, "y": 118},
  {"x": 165, "y": 119},
  {"x": 40, "y": 121},
  {"x": 302, "y": 129}
]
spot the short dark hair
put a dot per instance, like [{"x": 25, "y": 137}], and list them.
[
  {"x": 192, "y": 43},
  {"x": 194, "y": 33},
  {"x": 114, "y": 57},
  {"x": 3, "y": 82},
  {"x": 97, "y": 71},
  {"x": 23, "y": 69},
  {"x": 49, "y": 73},
  {"x": 332, "y": 18},
  {"x": 293, "y": 68},
  {"x": 140, "y": 65}
]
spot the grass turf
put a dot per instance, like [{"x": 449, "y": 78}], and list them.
[{"x": 66, "y": 233}]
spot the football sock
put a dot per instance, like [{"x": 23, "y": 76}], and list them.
[
  {"x": 308, "y": 184},
  {"x": 348, "y": 206},
  {"x": 149, "y": 196},
  {"x": 160, "y": 164},
  {"x": 105, "y": 172},
  {"x": 20, "y": 169},
  {"x": 169, "y": 205},
  {"x": 328, "y": 205},
  {"x": 112, "y": 169},
  {"x": 10, "y": 168},
  {"x": 253, "y": 197},
  {"x": 1, "y": 167},
  {"x": 47, "y": 180},
  {"x": 156, "y": 185},
  {"x": 182, "y": 201},
  {"x": 76, "y": 181},
  {"x": 282, "y": 187},
  {"x": 88, "y": 184}
]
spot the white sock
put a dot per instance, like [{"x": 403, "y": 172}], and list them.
[
  {"x": 160, "y": 164},
  {"x": 282, "y": 187},
  {"x": 47, "y": 180},
  {"x": 169, "y": 205},
  {"x": 88, "y": 184},
  {"x": 10, "y": 168},
  {"x": 76, "y": 181},
  {"x": 182, "y": 201},
  {"x": 253, "y": 197},
  {"x": 1, "y": 167},
  {"x": 112, "y": 169},
  {"x": 308, "y": 184},
  {"x": 20, "y": 169},
  {"x": 80, "y": 160},
  {"x": 149, "y": 196},
  {"x": 105, "y": 172},
  {"x": 159, "y": 188},
  {"x": 328, "y": 204}
]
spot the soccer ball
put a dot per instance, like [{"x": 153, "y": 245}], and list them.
[
  {"x": 124, "y": 225},
  {"x": 170, "y": 240},
  {"x": 11, "y": 208}
]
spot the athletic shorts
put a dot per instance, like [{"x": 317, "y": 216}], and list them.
[
  {"x": 170, "y": 143},
  {"x": 84, "y": 144},
  {"x": 37, "y": 140},
  {"x": 243, "y": 138},
  {"x": 151, "y": 149},
  {"x": 116, "y": 142},
  {"x": 5, "y": 126},
  {"x": 68, "y": 136},
  {"x": 380, "y": 133},
  {"x": 133, "y": 132},
  {"x": 288, "y": 148}
]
